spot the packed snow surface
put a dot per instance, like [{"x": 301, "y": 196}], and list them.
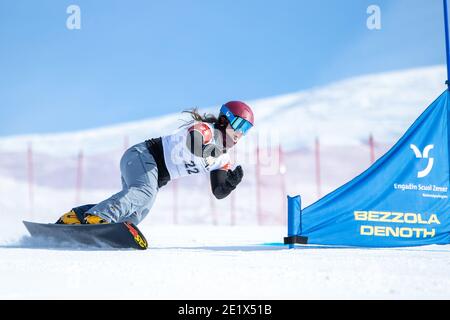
[{"x": 206, "y": 262}]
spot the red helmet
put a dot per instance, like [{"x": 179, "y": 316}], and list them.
[{"x": 239, "y": 115}]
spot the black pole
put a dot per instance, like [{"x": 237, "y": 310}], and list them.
[{"x": 447, "y": 46}]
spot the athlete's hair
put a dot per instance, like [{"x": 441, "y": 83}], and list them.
[
  {"x": 219, "y": 122},
  {"x": 206, "y": 117}
]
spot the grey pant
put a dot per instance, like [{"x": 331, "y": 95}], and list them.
[{"x": 140, "y": 186}]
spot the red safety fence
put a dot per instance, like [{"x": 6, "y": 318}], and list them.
[{"x": 50, "y": 185}]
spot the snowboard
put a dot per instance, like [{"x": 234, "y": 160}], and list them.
[{"x": 122, "y": 235}]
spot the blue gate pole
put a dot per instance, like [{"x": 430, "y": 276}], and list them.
[
  {"x": 294, "y": 217},
  {"x": 447, "y": 46}
]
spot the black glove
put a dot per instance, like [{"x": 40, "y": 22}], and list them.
[{"x": 234, "y": 177}]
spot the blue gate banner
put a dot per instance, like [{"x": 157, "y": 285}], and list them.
[{"x": 401, "y": 200}]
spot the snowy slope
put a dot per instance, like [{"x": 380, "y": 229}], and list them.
[{"x": 342, "y": 113}]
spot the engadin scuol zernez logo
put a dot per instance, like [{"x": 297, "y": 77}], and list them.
[{"x": 424, "y": 155}]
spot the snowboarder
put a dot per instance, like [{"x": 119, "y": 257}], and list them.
[{"x": 198, "y": 147}]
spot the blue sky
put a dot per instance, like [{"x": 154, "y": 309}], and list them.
[{"x": 141, "y": 58}]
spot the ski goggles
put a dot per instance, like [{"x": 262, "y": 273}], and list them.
[{"x": 237, "y": 123}]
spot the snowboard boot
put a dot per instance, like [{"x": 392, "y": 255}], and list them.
[
  {"x": 69, "y": 218},
  {"x": 91, "y": 219},
  {"x": 79, "y": 215}
]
